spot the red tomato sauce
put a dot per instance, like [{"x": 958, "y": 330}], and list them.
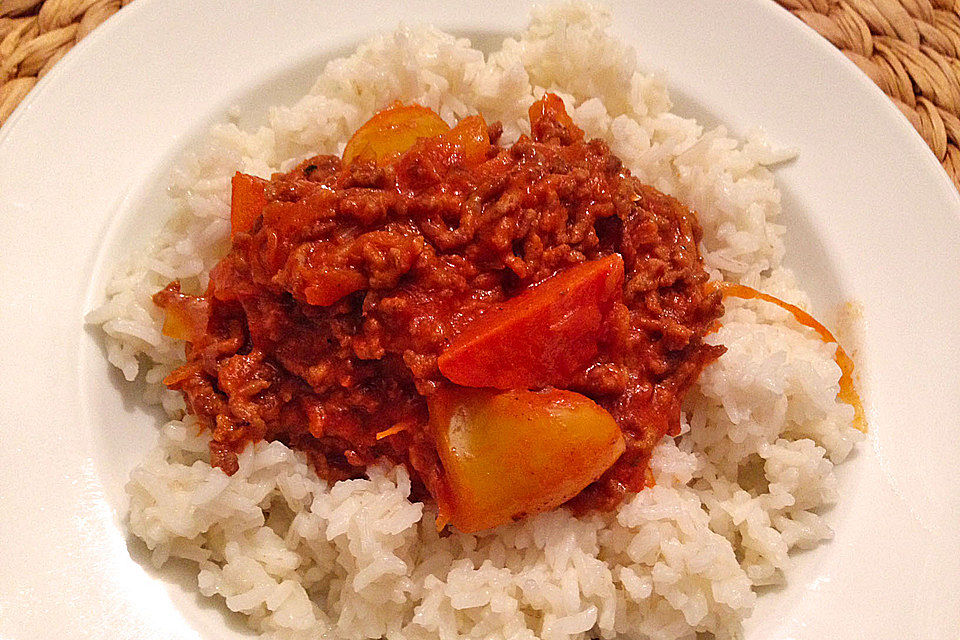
[{"x": 345, "y": 283}]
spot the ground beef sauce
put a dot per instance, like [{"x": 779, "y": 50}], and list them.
[{"x": 322, "y": 326}]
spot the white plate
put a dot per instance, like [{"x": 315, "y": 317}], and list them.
[{"x": 871, "y": 217}]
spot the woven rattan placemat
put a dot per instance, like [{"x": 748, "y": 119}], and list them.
[{"x": 910, "y": 48}]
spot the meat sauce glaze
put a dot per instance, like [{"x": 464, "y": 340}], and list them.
[{"x": 349, "y": 280}]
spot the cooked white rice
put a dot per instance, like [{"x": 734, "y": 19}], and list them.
[{"x": 736, "y": 492}]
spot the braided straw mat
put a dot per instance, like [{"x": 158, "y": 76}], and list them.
[{"x": 910, "y": 48}]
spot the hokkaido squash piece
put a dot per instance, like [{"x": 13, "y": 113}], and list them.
[
  {"x": 176, "y": 324},
  {"x": 542, "y": 336},
  {"x": 511, "y": 454},
  {"x": 469, "y": 139},
  {"x": 391, "y": 132},
  {"x": 247, "y": 199},
  {"x": 184, "y": 317}
]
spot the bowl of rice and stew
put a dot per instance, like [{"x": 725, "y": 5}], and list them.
[
  {"x": 474, "y": 359},
  {"x": 479, "y": 338}
]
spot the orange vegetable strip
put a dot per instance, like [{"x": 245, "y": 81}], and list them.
[
  {"x": 443, "y": 517},
  {"x": 397, "y": 428},
  {"x": 848, "y": 392},
  {"x": 334, "y": 285}
]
